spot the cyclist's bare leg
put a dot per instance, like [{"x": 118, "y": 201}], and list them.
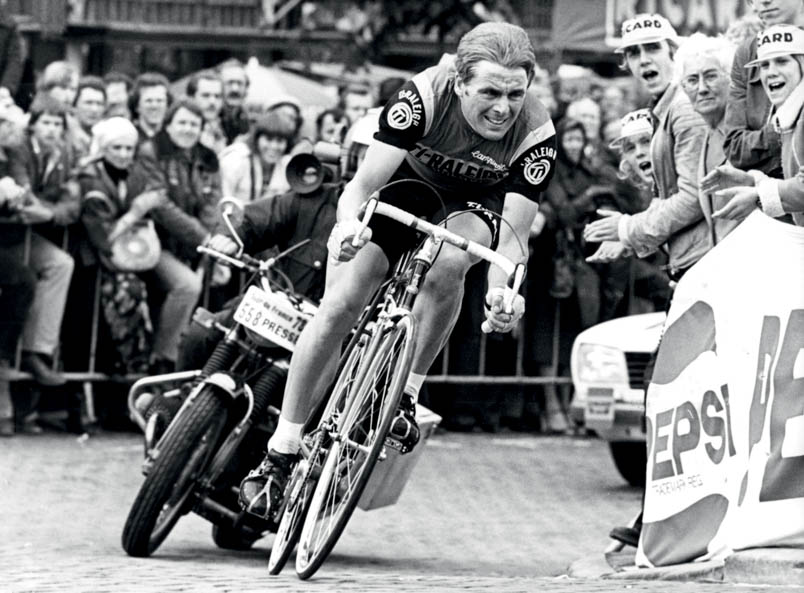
[
  {"x": 439, "y": 303},
  {"x": 349, "y": 287}
]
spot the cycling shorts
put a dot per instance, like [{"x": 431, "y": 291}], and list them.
[{"x": 395, "y": 239}]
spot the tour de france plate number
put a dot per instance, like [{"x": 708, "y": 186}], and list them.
[{"x": 271, "y": 316}]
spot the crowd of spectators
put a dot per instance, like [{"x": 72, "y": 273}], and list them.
[{"x": 94, "y": 158}]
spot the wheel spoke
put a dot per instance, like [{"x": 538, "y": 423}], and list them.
[{"x": 375, "y": 384}]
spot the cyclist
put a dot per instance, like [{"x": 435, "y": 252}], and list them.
[{"x": 468, "y": 129}]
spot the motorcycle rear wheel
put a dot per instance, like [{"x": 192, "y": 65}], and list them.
[{"x": 184, "y": 453}]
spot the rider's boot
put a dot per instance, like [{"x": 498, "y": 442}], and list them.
[
  {"x": 404, "y": 432},
  {"x": 262, "y": 490}
]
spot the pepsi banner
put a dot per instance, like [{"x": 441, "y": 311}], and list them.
[{"x": 725, "y": 410}]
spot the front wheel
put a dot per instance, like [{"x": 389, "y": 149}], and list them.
[
  {"x": 357, "y": 442},
  {"x": 183, "y": 454},
  {"x": 299, "y": 492}
]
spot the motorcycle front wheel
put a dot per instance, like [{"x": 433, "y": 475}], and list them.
[{"x": 183, "y": 454}]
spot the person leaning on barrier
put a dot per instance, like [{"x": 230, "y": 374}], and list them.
[
  {"x": 44, "y": 164},
  {"x": 702, "y": 67},
  {"x": 649, "y": 44},
  {"x": 307, "y": 212},
  {"x": 176, "y": 160},
  {"x": 470, "y": 130},
  {"x": 751, "y": 142},
  {"x": 116, "y": 196},
  {"x": 780, "y": 59},
  {"x": 17, "y": 286}
]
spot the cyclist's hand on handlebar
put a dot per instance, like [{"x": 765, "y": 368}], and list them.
[
  {"x": 341, "y": 241},
  {"x": 223, "y": 244},
  {"x": 496, "y": 318}
]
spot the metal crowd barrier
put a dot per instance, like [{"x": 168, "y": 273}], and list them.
[{"x": 441, "y": 376}]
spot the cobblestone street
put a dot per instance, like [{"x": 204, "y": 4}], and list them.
[{"x": 481, "y": 513}]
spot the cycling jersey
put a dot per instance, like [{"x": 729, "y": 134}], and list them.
[{"x": 424, "y": 117}]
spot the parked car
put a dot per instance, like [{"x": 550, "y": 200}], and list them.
[{"x": 608, "y": 369}]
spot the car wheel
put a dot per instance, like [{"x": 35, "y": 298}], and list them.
[{"x": 631, "y": 459}]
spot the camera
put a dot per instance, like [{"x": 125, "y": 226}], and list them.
[{"x": 306, "y": 171}]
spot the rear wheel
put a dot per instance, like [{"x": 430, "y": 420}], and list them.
[
  {"x": 631, "y": 459},
  {"x": 358, "y": 441},
  {"x": 302, "y": 483},
  {"x": 183, "y": 454}
]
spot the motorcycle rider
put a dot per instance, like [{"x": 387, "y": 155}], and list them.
[{"x": 306, "y": 212}]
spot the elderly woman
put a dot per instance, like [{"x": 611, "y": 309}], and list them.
[
  {"x": 256, "y": 168},
  {"x": 780, "y": 57},
  {"x": 115, "y": 196}
]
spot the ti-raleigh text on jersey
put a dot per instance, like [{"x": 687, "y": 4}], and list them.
[{"x": 424, "y": 117}]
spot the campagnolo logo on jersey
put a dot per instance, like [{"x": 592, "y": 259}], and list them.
[
  {"x": 538, "y": 164},
  {"x": 488, "y": 160},
  {"x": 407, "y": 112}
]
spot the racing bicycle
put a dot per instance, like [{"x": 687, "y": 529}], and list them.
[{"x": 351, "y": 434}]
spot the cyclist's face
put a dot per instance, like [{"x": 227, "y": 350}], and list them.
[{"x": 492, "y": 99}]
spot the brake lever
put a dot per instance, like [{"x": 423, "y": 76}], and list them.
[
  {"x": 368, "y": 212},
  {"x": 512, "y": 288}
]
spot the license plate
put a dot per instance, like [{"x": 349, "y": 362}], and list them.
[
  {"x": 599, "y": 408},
  {"x": 272, "y": 316}
]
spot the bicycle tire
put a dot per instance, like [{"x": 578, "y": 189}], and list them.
[
  {"x": 301, "y": 485},
  {"x": 366, "y": 423},
  {"x": 183, "y": 454}
]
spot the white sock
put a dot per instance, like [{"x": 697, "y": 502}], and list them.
[
  {"x": 287, "y": 437},
  {"x": 413, "y": 385}
]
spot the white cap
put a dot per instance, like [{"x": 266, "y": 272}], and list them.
[
  {"x": 632, "y": 124},
  {"x": 778, "y": 40},
  {"x": 645, "y": 28}
]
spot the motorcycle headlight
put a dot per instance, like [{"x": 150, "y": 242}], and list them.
[{"x": 600, "y": 364}]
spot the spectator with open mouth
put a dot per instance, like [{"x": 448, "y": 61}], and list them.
[{"x": 649, "y": 44}]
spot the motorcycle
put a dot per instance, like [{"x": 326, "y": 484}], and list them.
[{"x": 226, "y": 412}]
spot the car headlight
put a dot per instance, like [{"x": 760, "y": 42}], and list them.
[{"x": 600, "y": 364}]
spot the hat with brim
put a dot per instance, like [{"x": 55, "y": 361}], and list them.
[
  {"x": 645, "y": 28},
  {"x": 778, "y": 40},
  {"x": 633, "y": 123}
]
